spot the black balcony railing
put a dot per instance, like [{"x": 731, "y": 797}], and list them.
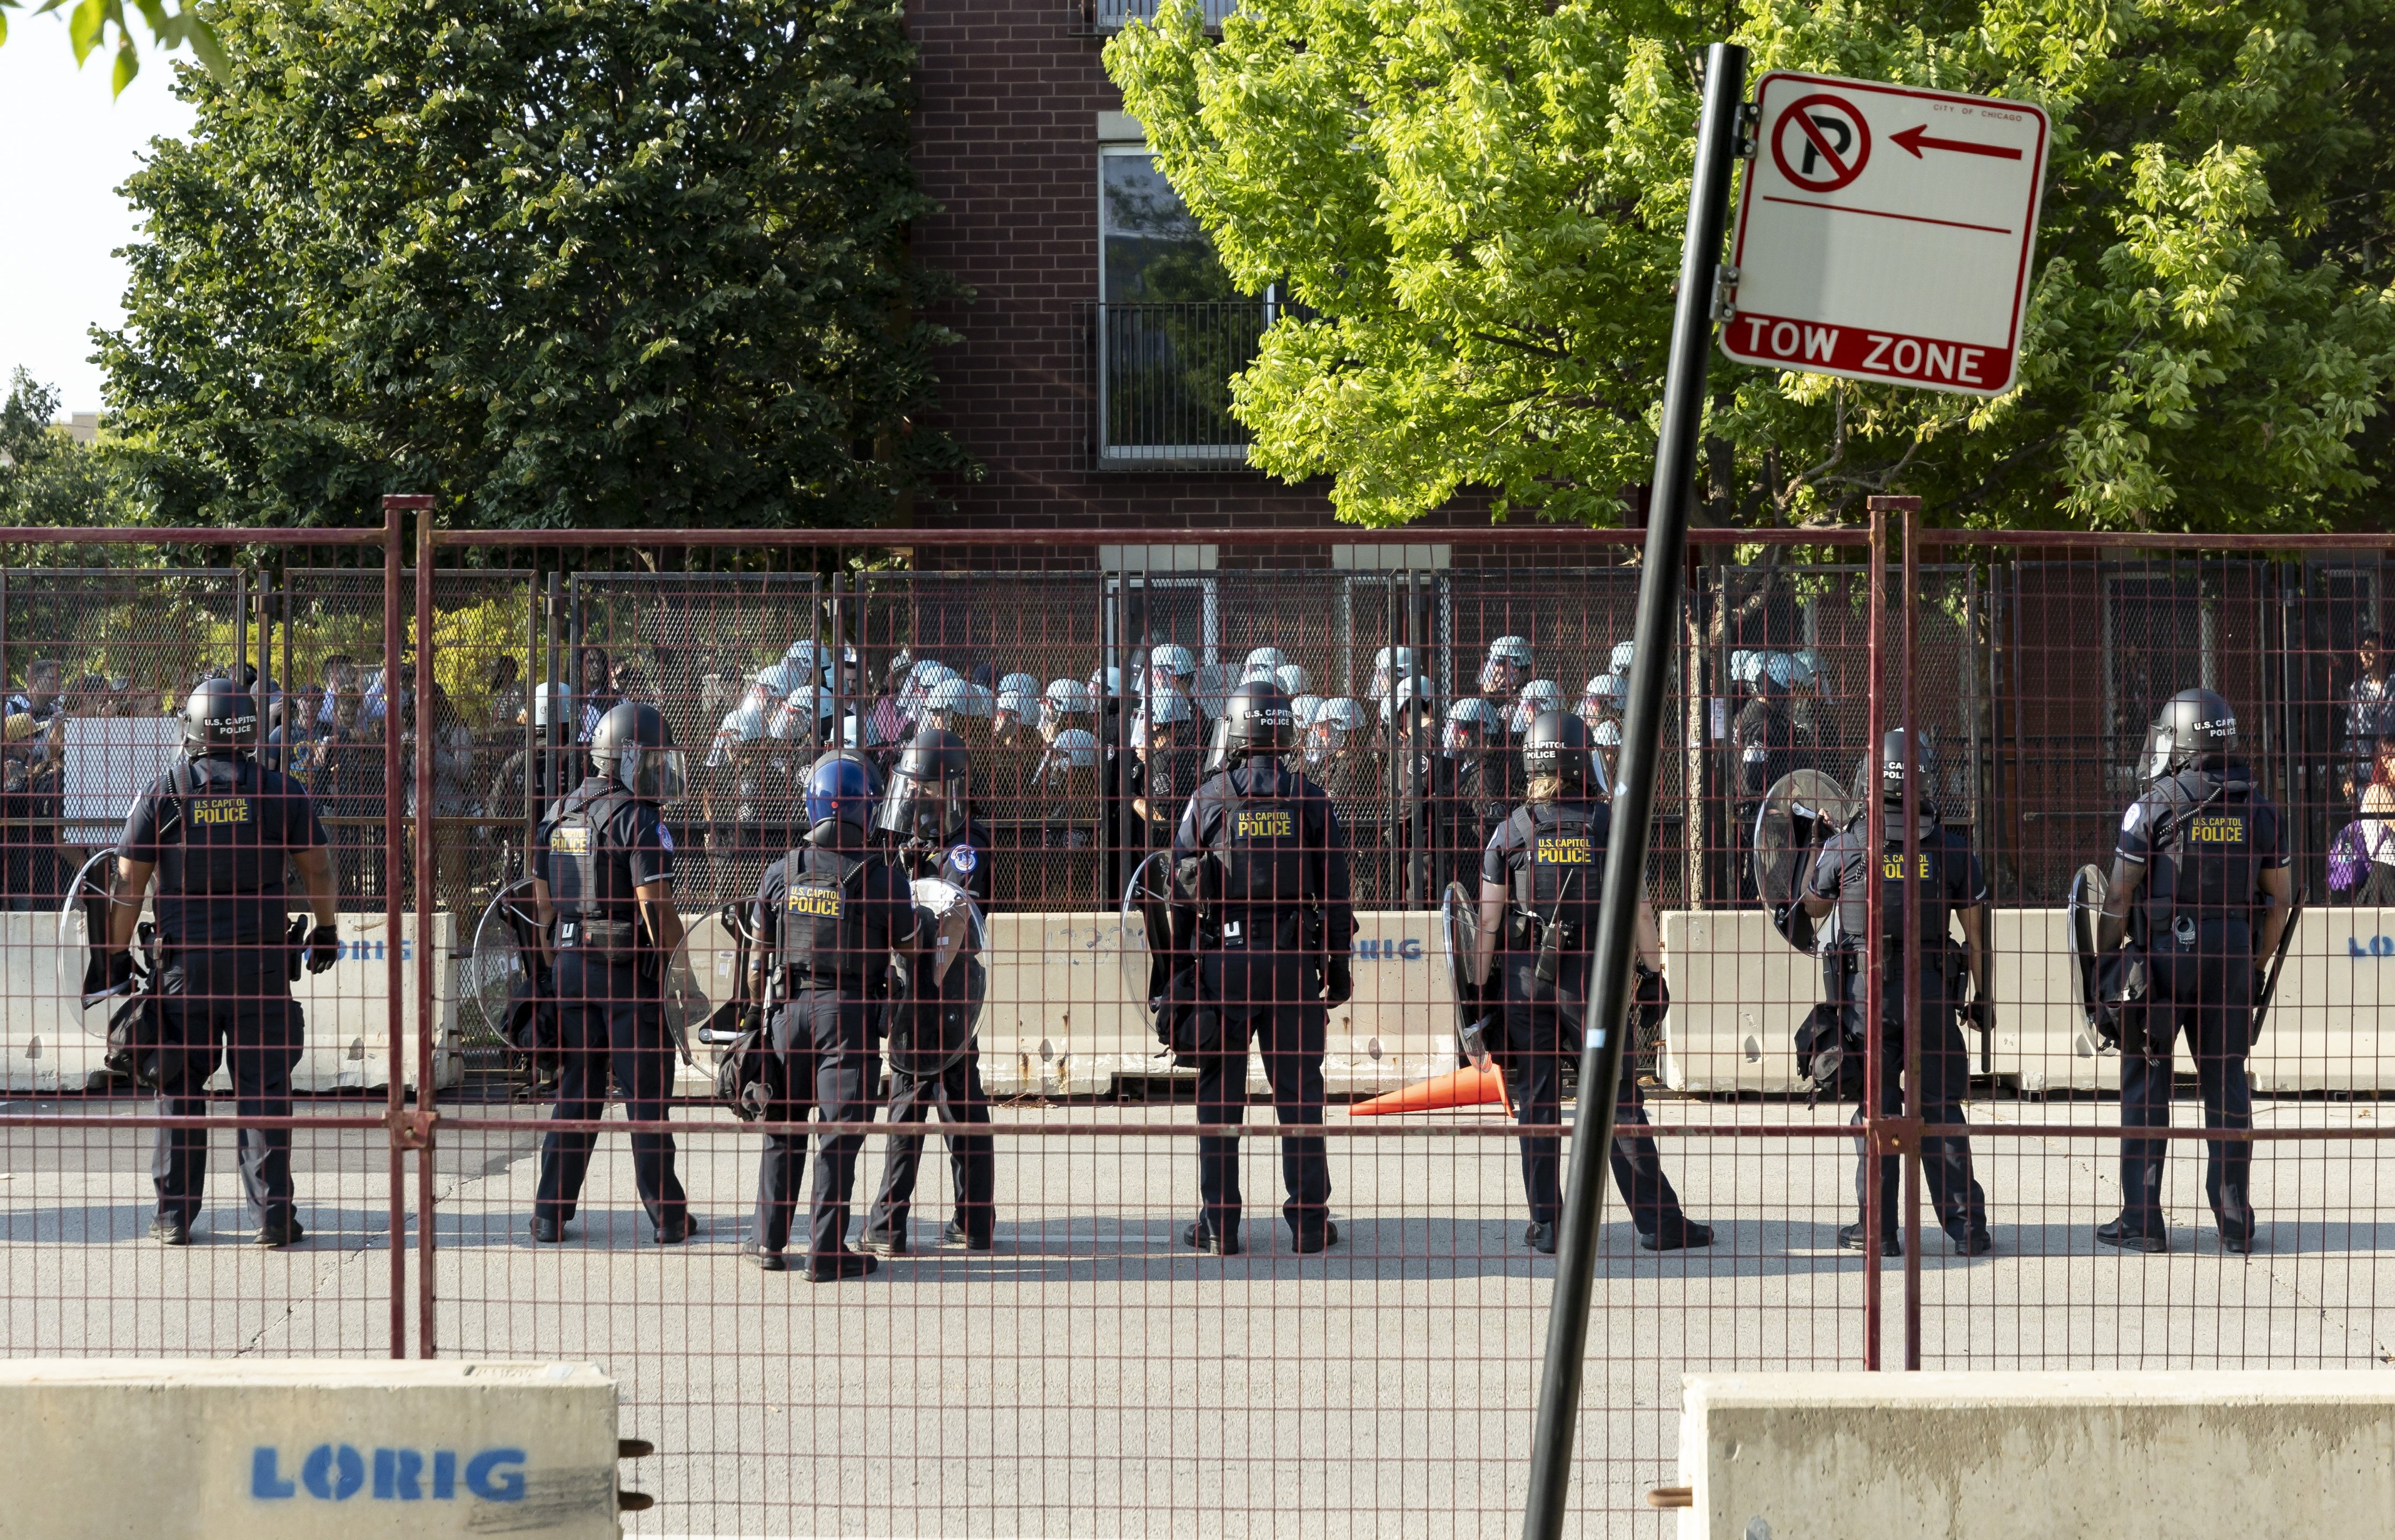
[
  {"x": 1112, "y": 16},
  {"x": 1164, "y": 381}
]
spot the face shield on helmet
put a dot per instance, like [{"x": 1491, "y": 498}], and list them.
[
  {"x": 1332, "y": 729},
  {"x": 1301, "y": 711},
  {"x": 1405, "y": 694},
  {"x": 1294, "y": 680},
  {"x": 1603, "y": 699},
  {"x": 1470, "y": 724},
  {"x": 1064, "y": 700},
  {"x": 927, "y": 793},
  {"x": 1169, "y": 713},
  {"x": 1172, "y": 667},
  {"x": 791, "y": 716},
  {"x": 1538, "y": 697},
  {"x": 927, "y": 678},
  {"x": 1389, "y": 664},
  {"x": 744, "y": 725},
  {"x": 634, "y": 744},
  {"x": 1267, "y": 659},
  {"x": 1507, "y": 665}
]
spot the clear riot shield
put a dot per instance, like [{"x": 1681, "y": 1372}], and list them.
[
  {"x": 1143, "y": 925},
  {"x": 950, "y": 999},
  {"x": 1803, "y": 808}
]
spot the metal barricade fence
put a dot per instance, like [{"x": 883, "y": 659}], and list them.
[{"x": 1090, "y": 1371}]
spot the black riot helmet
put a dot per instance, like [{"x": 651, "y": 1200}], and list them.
[
  {"x": 1558, "y": 744},
  {"x": 2195, "y": 728},
  {"x": 928, "y": 787},
  {"x": 633, "y": 744},
  {"x": 219, "y": 718},
  {"x": 1892, "y": 752},
  {"x": 1256, "y": 720}
]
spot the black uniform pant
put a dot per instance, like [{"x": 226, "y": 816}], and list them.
[
  {"x": 236, "y": 1002},
  {"x": 1945, "y": 1073},
  {"x": 972, "y": 1158},
  {"x": 1257, "y": 998},
  {"x": 1536, "y": 1048},
  {"x": 609, "y": 1016},
  {"x": 830, "y": 1062},
  {"x": 2206, "y": 989}
]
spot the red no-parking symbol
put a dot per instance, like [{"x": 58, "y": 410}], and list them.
[{"x": 1820, "y": 142}]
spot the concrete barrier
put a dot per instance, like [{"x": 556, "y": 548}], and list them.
[
  {"x": 1739, "y": 992},
  {"x": 273, "y": 1448},
  {"x": 49, "y": 1043},
  {"x": 2071, "y": 1456}
]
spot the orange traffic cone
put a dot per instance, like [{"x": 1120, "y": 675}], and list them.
[{"x": 1469, "y": 1087}]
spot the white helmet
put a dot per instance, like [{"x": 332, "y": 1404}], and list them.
[
  {"x": 914, "y": 699},
  {"x": 1806, "y": 666},
  {"x": 959, "y": 697},
  {"x": 1173, "y": 658},
  {"x": 1019, "y": 701},
  {"x": 1076, "y": 748},
  {"x": 806, "y": 656},
  {"x": 1107, "y": 682},
  {"x": 1603, "y": 695},
  {"x": 1469, "y": 714},
  {"x": 1506, "y": 652},
  {"x": 1620, "y": 662},
  {"x": 1780, "y": 669},
  {"x": 794, "y": 708},
  {"x": 1067, "y": 697},
  {"x": 1537, "y": 695},
  {"x": 1263, "y": 657},
  {"x": 1294, "y": 680},
  {"x": 1416, "y": 688},
  {"x": 1332, "y": 723},
  {"x": 782, "y": 678},
  {"x": 1302, "y": 709},
  {"x": 1387, "y": 664}
]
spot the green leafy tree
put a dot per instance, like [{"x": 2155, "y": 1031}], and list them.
[
  {"x": 91, "y": 20},
  {"x": 599, "y": 263},
  {"x": 1482, "y": 204},
  {"x": 48, "y": 480}
]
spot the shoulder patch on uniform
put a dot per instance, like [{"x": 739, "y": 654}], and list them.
[
  {"x": 665, "y": 836},
  {"x": 2133, "y": 818},
  {"x": 962, "y": 857}
]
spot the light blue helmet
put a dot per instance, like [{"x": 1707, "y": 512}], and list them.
[{"x": 1620, "y": 662}]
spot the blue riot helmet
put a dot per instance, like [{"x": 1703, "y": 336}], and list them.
[{"x": 838, "y": 791}]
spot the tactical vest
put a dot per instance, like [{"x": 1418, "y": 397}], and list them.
[
  {"x": 1901, "y": 898},
  {"x": 2205, "y": 863},
  {"x": 590, "y": 879},
  {"x": 823, "y": 919},
  {"x": 1260, "y": 846},
  {"x": 217, "y": 850},
  {"x": 1561, "y": 861}
]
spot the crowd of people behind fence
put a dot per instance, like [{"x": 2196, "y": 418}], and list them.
[{"x": 1419, "y": 775}]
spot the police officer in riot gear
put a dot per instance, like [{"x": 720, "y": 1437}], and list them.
[
  {"x": 2206, "y": 851},
  {"x": 216, "y": 831},
  {"x": 1538, "y": 876},
  {"x": 835, "y": 921},
  {"x": 1947, "y": 881},
  {"x": 1262, "y": 931},
  {"x": 602, "y": 874},
  {"x": 929, "y": 811}
]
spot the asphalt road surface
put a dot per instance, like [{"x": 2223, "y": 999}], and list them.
[{"x": 1091, "y": 1377}]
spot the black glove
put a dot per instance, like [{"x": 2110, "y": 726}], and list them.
[
  {"x": 1338, "y": 979},
  {"x": 324, "y": 947}
]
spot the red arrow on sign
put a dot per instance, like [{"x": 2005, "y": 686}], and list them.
[{"x": 1918, "y": 139}]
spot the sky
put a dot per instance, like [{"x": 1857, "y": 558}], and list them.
[{"x": 70, "y": 148}]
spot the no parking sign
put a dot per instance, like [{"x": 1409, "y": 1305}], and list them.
[{"x": 1885, "y": 232}]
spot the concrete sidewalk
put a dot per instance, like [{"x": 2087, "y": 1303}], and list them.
[{"x": 1093, "y": 1377}]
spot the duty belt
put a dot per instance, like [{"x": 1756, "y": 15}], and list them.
[
  {"x": 803, "y": 978},
  {"x": 596, "y": 934}
]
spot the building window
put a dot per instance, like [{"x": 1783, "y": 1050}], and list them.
[{"x": 1172, "y": 327}]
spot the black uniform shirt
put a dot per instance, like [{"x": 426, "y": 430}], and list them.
[
  {"x": 885, "y": 909},
  {"x": 1322, "y": 842},
  {"x": 260, "y": 812},
  {"x": 632, "y": 827},
  {"x": 1841, "y": 871},
  {"x": 2244, "y": 827},
  {"x": 1767, "y": 745}
]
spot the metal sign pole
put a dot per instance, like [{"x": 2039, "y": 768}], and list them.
[{"x": 1634, "y": 803}]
